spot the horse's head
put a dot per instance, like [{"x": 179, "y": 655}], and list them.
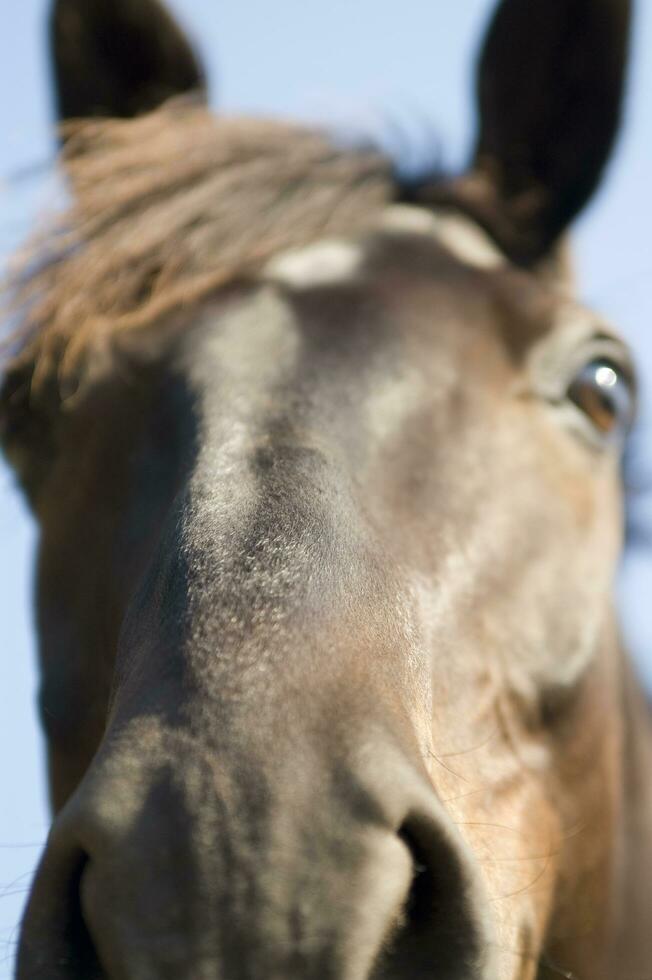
[{"x": 329, "y": 520}]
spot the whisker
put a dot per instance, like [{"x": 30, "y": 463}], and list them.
[
  {"x": 521, "y": 858},
  {"x": 19, "y": 878},
  {"x": 473, "y": 748},
  {"x": 540, "y": 959},
  {"x": 528, "y": 887},
  {"x": 494, "y": 826},
  {"x": 551, "y": 967},
  {"x": 463, "y": 796},
  {"x": 447, "y": 768}
]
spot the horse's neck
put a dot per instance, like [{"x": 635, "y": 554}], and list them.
[{"x": 634, "y": 948}]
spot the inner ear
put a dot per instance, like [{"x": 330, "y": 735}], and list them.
[
  {"x": 549, "y": 94},
  {"x": 118, "y": 58}
]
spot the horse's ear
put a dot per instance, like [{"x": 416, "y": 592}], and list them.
[
  {"x": 549, "y": 93},
  {"x": 118, "y": 58}
]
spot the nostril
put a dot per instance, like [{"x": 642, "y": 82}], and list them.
[
  {"x": 82, "y": 959},
  {"x": 440, "y": 931},
  {"x": 420, "y": 900},
  {"x": 55, "y": 941},
  {"x": 88, "y": 956}
]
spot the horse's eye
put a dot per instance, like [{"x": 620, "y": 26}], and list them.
[{"x": 604, "y": 391}]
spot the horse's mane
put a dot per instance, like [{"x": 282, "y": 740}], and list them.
[{"x": 168, "y": 208}]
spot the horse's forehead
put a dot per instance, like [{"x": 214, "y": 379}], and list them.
[{"x": 337, "y": 260}]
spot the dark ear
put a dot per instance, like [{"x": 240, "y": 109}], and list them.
[
  {"x": 549, "y": 93},
  {"x": 118, "y": 57}
]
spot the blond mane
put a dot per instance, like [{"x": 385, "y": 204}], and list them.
[{"x": 170, "y": 207}]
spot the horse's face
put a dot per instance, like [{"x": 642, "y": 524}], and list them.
[
  {"x": 325, "y": 631},
  {"x": 352, "y": 542}
]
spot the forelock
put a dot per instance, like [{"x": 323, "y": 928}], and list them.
[{"x": 170, "y": 207}]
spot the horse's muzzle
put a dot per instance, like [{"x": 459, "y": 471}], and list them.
[{"x": 185, "y": 872}]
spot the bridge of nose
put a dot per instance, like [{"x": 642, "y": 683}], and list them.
[{"x": 224, "y": 822}]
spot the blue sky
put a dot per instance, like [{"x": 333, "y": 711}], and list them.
[{"x": 362, "y": 64}]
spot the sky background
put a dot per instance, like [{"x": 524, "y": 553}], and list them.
[{"x": 358, "y": 63}]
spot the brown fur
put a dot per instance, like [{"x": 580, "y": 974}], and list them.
[{"x": 330, "y": 679}]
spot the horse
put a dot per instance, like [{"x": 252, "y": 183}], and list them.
[{"x": 327, "y": 472}]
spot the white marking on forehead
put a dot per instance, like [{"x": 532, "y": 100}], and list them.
[
  {"x": 336, "y": 260},
  {"x": 329, "y": 261},
  {"x": 459, "y": 234},
  {"x": 405, "y": 217}
]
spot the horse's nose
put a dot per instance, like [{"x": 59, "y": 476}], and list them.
[{"x": 165, "y": 878}]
